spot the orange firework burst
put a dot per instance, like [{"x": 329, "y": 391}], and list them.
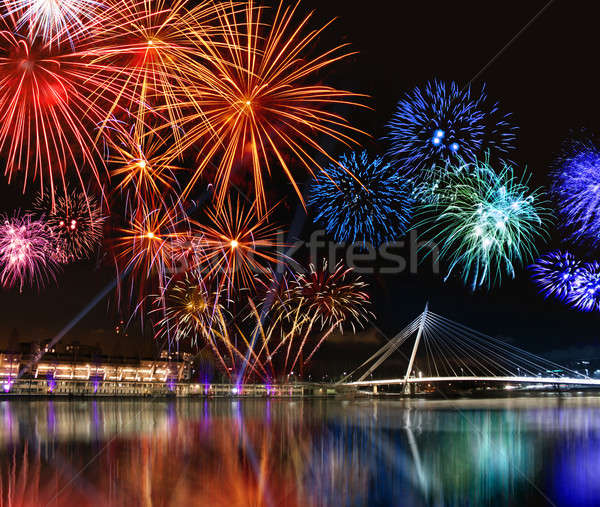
[
  {"x": 150, "y": 47},
  {"x": 188, "y": 309},
  {"x": 236, "y": 244},
  {"x": 138, "y": 162},
  {"x": 144, "y": 249},
  {"x": 263, "y": 108},
  {"x": 47, "y": 112}
]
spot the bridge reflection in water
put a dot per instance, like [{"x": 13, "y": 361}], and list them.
[{"x": 526, "y": 451}]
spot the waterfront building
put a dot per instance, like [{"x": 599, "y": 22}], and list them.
[
  {"x": 92, "y": 373},
  {"x": 62, "y": 375}
]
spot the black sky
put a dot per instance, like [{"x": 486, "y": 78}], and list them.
[{"x": 547, "y": 78}]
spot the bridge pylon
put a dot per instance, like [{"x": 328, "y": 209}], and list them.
[{"x": 411, "y": 362}]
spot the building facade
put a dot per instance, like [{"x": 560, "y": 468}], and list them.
[
  {"x": 76, "y": 374},
  {"x": 62, "y": 375}
]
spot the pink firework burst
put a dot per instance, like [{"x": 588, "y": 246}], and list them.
[{"x": 25, "y": 252}]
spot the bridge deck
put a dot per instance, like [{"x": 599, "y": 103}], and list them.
[{"x": 515, "y": 380}]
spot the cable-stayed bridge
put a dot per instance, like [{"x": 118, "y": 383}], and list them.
[{"x": 444, "y": 351}]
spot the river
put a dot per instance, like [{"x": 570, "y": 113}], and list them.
[{"x": 514, "y": 451}]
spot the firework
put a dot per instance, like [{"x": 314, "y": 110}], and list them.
[
  {"x": 144, "y": 250},
  {"x": 297, "y": 315},
  {"x": 331, "y": 297},
  {"x": 265, "y": 105},
  {"x": 433, "y": 183},
  {"x": 563, "y": 276},
  {"x": 138, "y": 163},
  {"x": 188, "y": 310},
  {"x": 150, "y": 48},
  {"x": 557, "y": 274},
  {"x": 576, "y": 189},
  {"x": 486, "y": 223},
  {"x": 53, "y": 21},
  {"x": 442, "y": 123},
  {"x": 235, "y": 245},
  {"x": 585, "y": 293},
  {"x": 317, "y": 301},
  {"x": 371, "y": 205},
  {"x": 47, "y": 109},
  {"x": 25, "y": 252},
  {"x": 75, "y": 221}
]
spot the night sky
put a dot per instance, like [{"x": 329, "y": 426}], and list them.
[{"x": 547, "y": 78}]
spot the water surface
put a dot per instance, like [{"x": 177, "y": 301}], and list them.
[{"x": 520, "y": 451}]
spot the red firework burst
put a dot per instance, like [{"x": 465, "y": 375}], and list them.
[
  {"x": 316, "y": 303},
  {"x": 75, "y": 220},
  {"x": 48, "y": 111}
]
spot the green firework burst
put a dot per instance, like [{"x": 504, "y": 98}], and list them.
[{"x": 485, "y": 223}]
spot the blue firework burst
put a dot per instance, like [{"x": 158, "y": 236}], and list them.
[
  {"x": 565, "y": 277},
  {"x": 370, "y": 202},
  {"x": 557, "y": 274},
  {"x": 442, "y": 122},
  {"x": 585, "y": 294},
  {"x": 576, "y": 189}
]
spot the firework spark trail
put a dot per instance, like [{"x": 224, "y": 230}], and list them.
[
  {"x": 557, "y": 274},
  {"x": 137, "y": 162},
  {"x": 275, "y": 288},
  {"x": 309, "y": 310},
  {"x": 235, "y": 244},
  {"x": 275, "y": 282},
  {"x": 565, "y": 277},
  {"x": 188, "y": 308},
  {"x": 266, "y": 338},
  {"x": 146, "y": 248},
  {"x": 224, "y": 337},
  {"x": 585, "y": 295},
  {"x": 54, "y": 21},
  {"x": 263, "y": 106},
  {"x": 318, "y": 301}
]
